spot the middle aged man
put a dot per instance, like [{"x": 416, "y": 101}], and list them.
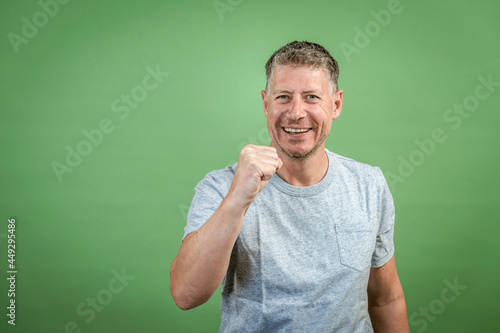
[{"x": 301, "y": 238}]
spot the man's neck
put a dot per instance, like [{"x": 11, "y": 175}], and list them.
[{"x": 304, "y": 172}]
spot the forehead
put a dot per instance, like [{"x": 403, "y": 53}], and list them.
[{"x": 291, "y": 77}]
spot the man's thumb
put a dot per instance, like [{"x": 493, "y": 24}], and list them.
[{"x": 280, "y": 164}]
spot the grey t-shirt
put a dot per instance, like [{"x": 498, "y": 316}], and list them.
[{"x": 301, "y": 261}]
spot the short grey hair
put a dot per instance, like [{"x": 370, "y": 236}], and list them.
[{"x": 304, "y": 54}]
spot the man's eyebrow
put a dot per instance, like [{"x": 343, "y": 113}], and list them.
[
  {"x": 283, "y": 92},
  {"x": 312, "y": 91}
]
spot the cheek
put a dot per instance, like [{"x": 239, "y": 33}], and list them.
[
  {"x": 274, "y": 117},
  {"x": 326, "y": 129},
  {"x": 272, "y": 123}
]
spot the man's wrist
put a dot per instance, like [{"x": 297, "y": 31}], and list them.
[{"x": 234, "y": 206}]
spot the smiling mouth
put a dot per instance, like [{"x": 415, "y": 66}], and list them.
[{"x": 296, "y": 130}]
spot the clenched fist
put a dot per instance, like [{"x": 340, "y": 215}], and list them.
[{"x": 256, "y": 165}]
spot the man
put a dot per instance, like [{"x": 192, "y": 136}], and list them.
[{"x": 300, "y": 238}]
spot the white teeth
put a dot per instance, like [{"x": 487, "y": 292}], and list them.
[{"x": 296, "y": 130}]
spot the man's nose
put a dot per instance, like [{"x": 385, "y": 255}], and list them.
[{"x": 297, "y": 108}]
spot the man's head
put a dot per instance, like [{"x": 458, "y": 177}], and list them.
[
  {"x": 304, "y": 54},
  {"x": 301, "y": 98}
]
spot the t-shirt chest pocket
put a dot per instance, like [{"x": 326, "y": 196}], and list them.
[{"x": 356, "y": 245}]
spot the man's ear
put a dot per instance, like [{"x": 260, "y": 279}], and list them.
[
  {"x": 264, "y": 101},
  {"x": 337, "y": 104}
]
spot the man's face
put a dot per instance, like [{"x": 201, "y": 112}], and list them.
[{"x": 300, "y": 109}]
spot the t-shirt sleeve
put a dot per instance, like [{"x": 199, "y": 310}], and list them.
[
  {"x": 384, "y": 246},
  {"x": 209, "y": 194}
]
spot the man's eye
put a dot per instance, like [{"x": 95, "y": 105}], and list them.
[
  {"x": 282, "y": 96},
  {"x": 312, "y": 96}
]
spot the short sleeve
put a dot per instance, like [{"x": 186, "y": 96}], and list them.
[
  {"x": 384, "y": 246},
  {"x": 208, "y": 196},
  {"x": 201, "y": 209}
]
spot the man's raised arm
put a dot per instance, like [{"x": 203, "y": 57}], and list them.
[{"x": 203, "y": 258}]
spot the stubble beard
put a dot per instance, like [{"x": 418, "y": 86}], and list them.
[{"x": 300, "y": 155}]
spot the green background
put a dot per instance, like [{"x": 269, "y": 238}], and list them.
[{"x": 124, "y": 205}]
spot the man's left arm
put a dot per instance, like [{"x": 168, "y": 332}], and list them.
[{"x": 386, "y": 300}]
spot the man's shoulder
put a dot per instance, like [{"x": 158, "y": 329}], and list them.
[
  {"x": 353, "y": 168},
  {"x": 218, "y": 179}
]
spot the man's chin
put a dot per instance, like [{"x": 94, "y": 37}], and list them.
[{"x": 298, "y": 153}]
